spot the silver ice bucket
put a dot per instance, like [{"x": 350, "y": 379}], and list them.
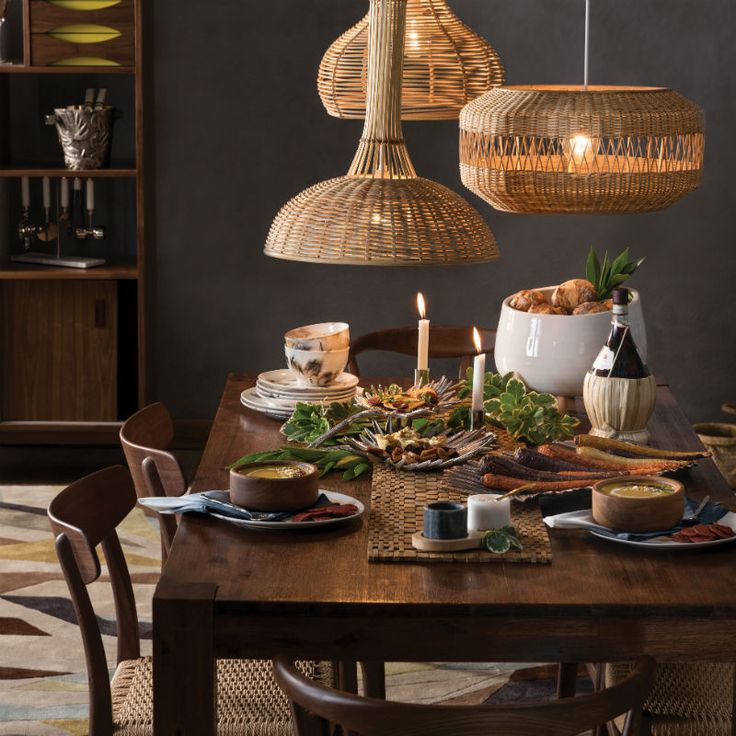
[{"x": 84, "y": 134}]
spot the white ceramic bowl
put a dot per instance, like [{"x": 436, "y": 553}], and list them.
[
  {"x": 316, "y": 367},
  {"x": 322, "y": 336},
  {"x": 553, "y": 352}
]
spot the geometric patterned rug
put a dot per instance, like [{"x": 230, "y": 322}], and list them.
[{"x": 43, "y": 682}]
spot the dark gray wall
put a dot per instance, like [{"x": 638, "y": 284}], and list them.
[{"x": 240, "y": 130}]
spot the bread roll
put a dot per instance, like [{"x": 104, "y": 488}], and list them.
[
  {"x": 546, "y": 308},
  {"x": 573, "y": 293},
  {"x": 524, "y": 300},
  {"x": 591, "y": 308}
]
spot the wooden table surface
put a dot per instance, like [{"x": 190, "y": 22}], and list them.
[{"x": 231, "y": 592}]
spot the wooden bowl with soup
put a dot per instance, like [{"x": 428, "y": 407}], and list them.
[
  {"x": 638, "y": 503},
  {"x": 283, "y": 485}
]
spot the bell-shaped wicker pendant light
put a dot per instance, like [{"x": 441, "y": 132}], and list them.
[
  {"x": 381, "y": 213},
  {"x": 446, "y": 65},
  {"x": 588, "y": 149}
]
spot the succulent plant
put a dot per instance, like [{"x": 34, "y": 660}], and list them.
[
  {"x": 609, "y": 274},
  {"x": 527, "y": 415}
]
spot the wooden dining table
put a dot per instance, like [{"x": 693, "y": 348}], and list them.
[{"x": 227, "y": 591}]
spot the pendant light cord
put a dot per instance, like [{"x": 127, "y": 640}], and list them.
[{"x": 587, "y": 44}]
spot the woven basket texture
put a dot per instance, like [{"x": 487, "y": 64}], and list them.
[
  {"x": 446, "y": 65},
  {"x": 249, "y": 702},
  {"x": 687, "y": 699},
  {"x": 561, "y": 149},
  {"x": 351, "y": 220},
  {"x": 381, "y": 213}
]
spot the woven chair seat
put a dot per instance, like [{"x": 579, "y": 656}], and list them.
[
  {"x": 687, "y": 699},
  {"x": 249, "y": 702}
]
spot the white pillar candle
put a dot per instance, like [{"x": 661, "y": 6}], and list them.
[
  {"x": 486, "y": 511},
  {"x": 46, "y": 192},
  {"x": 64, "y": 192},
  {"x": 423, "y": 339},
  {"x": 77, "y": 184},
  {"x": 90, "y": 195},
  {"x": 479, "y": 373},
  {"x": 25, "y": 192}
]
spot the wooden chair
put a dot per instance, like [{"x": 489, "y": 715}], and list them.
[
  {"x": 444, "y": 342},
  {"x": 145, "y": 438},
  {"x": 85, "y": 515},
  {"x": 314, "y": 706}
]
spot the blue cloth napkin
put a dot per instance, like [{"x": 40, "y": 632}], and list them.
[
  {"x": 218, "y": 502},
  {"x": 583, "y": 519}
]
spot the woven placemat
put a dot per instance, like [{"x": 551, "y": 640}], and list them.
[{"x": 397, "y": 508}]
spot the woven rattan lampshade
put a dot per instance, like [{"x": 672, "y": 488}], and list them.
[
  {"x": 445, "y": 66},
  {"x": 381, "y": 213},
  {"x": 547, "y": 148}
]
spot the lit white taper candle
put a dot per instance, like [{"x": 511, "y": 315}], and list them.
[
  {"x": 25, "y": 192},
  {"x": 423, "y": 340},
  {"x": 479, "y": 373},
  {"x": 65, "y": 192}
]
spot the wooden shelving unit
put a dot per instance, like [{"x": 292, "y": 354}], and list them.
[
  {"x": 73, "y": 358},
  {"x": 14, "y": 169}
]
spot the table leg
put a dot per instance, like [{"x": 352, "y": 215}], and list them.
[
  {"x": 374, "y": 679},
  {"x": 567, "y": 679},
  {"x": 184, "y": 665}
]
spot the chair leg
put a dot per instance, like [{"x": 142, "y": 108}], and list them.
[
  {"x": 347, "y": 676},
  {"x": 374, "y": 679},
  {"x": 567, "y": 679}
]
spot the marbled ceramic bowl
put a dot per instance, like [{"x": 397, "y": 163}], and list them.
[
  {"x": 322, "y": 336},
  {"x": 316, "y": 367}
]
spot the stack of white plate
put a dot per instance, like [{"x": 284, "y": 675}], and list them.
[{"x": 276, "y": 393}]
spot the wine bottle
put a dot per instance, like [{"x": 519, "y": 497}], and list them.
[
  {"x": 619, "y": 391},
  {"x": 619, "y": 357}
]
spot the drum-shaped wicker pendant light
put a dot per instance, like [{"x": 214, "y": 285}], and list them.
[
  {"x": 588, "y": 149},
  {"x": 446, "y": 65},
  {"x": 381, "y": 213}
]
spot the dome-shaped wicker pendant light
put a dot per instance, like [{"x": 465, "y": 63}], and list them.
[
  {"x": 381, "y": 213},
  {"x": 446, "y": 65},
  {"x": 587, "y": 149}
]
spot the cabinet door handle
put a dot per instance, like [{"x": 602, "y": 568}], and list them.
[{"x": 100, "y": 313}]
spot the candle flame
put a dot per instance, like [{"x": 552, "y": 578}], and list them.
[
  {"x": 421, "y": 306},
  {"x": 476, "y": 340}
]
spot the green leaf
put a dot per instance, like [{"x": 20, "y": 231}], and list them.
[
  {"x": 620, "y": 261},
  {"x": 361, "y": 469},
  {"x": 516, "y": 389},
  {"x": 592, "y": 267},
  {"x": 497, "y": 541}
]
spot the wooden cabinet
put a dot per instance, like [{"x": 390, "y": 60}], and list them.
[
  {"x": 58, "y": 350},
  {"x": 73, "y": 358}
]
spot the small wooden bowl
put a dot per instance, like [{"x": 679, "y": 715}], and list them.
[
  {"x": 626, "y": 514},
  {"x": 274, "y": 494}
]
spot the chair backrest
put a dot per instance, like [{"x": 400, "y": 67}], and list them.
[
  {"x": 145, "y": 438},
  {"x": 373, "y": 717},
  {"x": 83, "y": 516},
  {"x": 444, "y": 342}
]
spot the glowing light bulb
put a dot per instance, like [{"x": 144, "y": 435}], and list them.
[{"x": 580, "y": 153}]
